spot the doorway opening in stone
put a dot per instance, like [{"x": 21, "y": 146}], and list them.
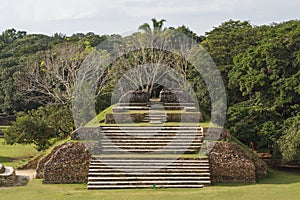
[{"x": 155, "y": 92}]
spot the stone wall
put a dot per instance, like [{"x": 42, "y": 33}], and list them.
[
  {"x": 216, "y": 134},
  {"x": 139, "y": 117},
  {"x": 41, "y": 164},
  {"x": 175, "y": 96},
  {"x": 2, "y": 169},
  {"x": 124, "y": 118},
  {"x": 67, "y": 163},
  {"x": 86, "y": 133},
  {"x": 184, "y": 117},
  {"x": 135, "y": 97},
  {"x": 229, "y": 163},
  {"x": 7, "y": 176}
]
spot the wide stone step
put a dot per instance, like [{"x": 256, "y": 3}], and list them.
[
  {"x": 98, "y": 187},
  {"x": 164, "y": 164},
  {"x": 155, "y": 114},
  {"x": 179, "y": 104},
  {"x": 145, "y": 178},
  {"x": 155, "y": 117},
  {"x": 99, "y": 159},
  {"x": 179, "y": 139},
  {"x": 152, "y": 174},
  {"x": 161, "y": 168},
  {"x": 136, "y": 107},
  {"x": 132, "y": 104},
  {"x": 149, "y": 167},
  {"x": 150, "y": 131},
  {"x": 151, "y": 128},
  {"x": 154, "y": 135},
  {"x": 143, "y": 170},
  {"x": 148, "y": 164},
  {"x": 143, "y": 182},
  {"x": 148, "y": 145},
  {"x": 149, "y": 140},
  {"x": 145, "y": 143},
  {"x": 132, "y": 144},
  {"x": 147, "y": 148},
  {"x": 121, "y": 163},
  {"x": 154, "y": 151}
]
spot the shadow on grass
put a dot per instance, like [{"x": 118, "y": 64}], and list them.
[
  {"x": 280, "y": 177},
  {"x": 275, "y": 177},
  {"x": 6, "y": 159},
  {"x": 232, "y": 184}
]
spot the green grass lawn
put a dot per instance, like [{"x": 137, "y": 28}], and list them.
[
  {"x": 15, "y": 155},
  {"x": 280, "y": 185}
]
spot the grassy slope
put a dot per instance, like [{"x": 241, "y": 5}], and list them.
[{"x": 281, "y": 185}]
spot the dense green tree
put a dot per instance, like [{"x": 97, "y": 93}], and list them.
[
  {"x": 40, "y": 127},
  {"x": 267, "y": 75},
  {"x": 290, "y": 140},
  {"x": 186, "y": 31}
]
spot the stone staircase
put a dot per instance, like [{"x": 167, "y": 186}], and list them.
[
  {"x": 143, "y": 157},
  {"x": 152, "y": 139},
  {"x": 155, "y": 117},
  {"x": 114, "y": 172}
]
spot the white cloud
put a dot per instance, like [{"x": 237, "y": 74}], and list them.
[{"x": 107, "y": 16}]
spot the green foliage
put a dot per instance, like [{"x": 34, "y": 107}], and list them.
[
  {"x": 28, "y": 129},
  {"x": 186, "y": 31},
  {"x": 260, "y": 69},
  {"x": 290, "y": 140},
  {"x": 10, "y": 35},
  {"x": 40, "y": 126}
]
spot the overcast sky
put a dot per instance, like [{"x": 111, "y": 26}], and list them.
[{"x": 121, "y": 16}]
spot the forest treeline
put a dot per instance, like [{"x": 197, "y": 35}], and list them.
[{"x": 260, "y": 67}]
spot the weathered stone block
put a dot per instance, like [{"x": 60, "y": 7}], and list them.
[
  {"x": 67, "y": 163},
  {"x": 175, "y": 96},
  {"x": 124, "y": 118},
  {"x": 7, "y": 177},
  {"x": 135, "y": 97},
  {"x": 229, "y": 163}
]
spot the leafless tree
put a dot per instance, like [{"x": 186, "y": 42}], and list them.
[
  {"x": 53, "y": 76},
  {"x": 145, "y": 59}
]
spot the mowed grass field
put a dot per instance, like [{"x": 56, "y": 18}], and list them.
[
  {"x": 15, "y": 155},
  {"x": 280, "y": 185}
]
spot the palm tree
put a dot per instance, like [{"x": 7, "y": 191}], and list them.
[{"x": 157, "y": 25}]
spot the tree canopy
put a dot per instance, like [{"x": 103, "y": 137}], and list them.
[{"x": 260, "y": 67}]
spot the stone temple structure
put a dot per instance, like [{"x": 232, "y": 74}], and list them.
[{"x": 147, "y": 143}]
